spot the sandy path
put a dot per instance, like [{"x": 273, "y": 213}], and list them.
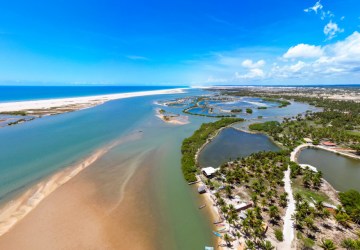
[{"x": 288, "y": 230}]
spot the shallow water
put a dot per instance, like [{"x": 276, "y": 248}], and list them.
[{"x": 341, "y": 172}]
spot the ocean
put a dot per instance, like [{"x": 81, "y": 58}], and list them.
[{"x": 26, "y": 93}]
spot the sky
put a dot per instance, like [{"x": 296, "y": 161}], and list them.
[{"x": 179, "y": 42}]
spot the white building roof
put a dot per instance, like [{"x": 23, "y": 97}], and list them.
[{"x": 209, "y": 170}]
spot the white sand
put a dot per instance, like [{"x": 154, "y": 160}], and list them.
[{"x": 81, "y": 102}]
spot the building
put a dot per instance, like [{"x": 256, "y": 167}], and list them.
[
  {"x": 209, "y": 171},
  {"x": 328, "y": 144},
  {"x": 202, "y": 189},
  {"x": 308, "y": 140},
  {"x": 243, "y": 206}
]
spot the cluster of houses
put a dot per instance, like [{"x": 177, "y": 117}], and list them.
[
  {"x": 209, "y": 173},
  {"x": 324, "y": 143}
]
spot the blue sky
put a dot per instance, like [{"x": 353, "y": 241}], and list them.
[{"x": 180, "y": 42}]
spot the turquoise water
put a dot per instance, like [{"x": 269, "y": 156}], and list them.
[
  {"x": 32, "y": 151},
  {"x": 231, "y": 144},
  {"x": 341, "y": 172}
]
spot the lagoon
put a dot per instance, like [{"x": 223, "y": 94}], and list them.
[
  {"x": 231, "y": 144},
  {"x": 341, "y": 172}
]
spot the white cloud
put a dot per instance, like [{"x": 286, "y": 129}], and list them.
[
  {"x": 252, "y": 74},
  {"x": 326, "y": 14},
  {"x": 331, "y": 30},
  {"x": 336, "y": 62},
  {"x": 315, "y": 8},
  {"x": 250, "y": 64},
  {"x": 137, "y": 58},
  {"x": 303, "y": 51}
]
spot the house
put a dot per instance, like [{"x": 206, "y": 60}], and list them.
[
  {"x": 202, "y": 189},
  {"x": 243, "y": 206},
  {"x": 308, "y": 140},
  {"x": 209, "y": 171},
  {"x": 328, "y": 144}
]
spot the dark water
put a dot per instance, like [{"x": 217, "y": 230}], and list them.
[
  {"x": 341, "y": 172},
  {"x": 231, "y": 144},
  {"x": 24, "y": 93}
]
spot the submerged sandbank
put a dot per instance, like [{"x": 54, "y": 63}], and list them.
[
  {"x": 98, "y": 209},
  {"x": 15, "y": 210}
]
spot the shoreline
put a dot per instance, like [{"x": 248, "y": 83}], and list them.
[
  {"x": 77, "y": 103},
  {"x": 20, "y": 206}
]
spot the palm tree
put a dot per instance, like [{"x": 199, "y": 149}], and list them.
[
  {"x": 319, "y": 206},
  {"x": 250, "y": 245},
  {"x": 348, "y": 244},
  {"x": 267, "y": 245},
  {"x": 227, "y": 239},
  {"x": 228, "y": 191},
  {"x": 327, "y": 244},
  {"x": 273, "y": 212},
  {"x": 342, "y": 218},
  {"x": 298, "y": 197}
]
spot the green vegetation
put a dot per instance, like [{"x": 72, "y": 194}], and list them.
[
  {"x": 327, "y": 244},
  {"x": 283, "y": 103},
  {"x": 21, "y": 113},
  {"x": 351, "y": 203},
  {"x": 191, "y": 145},
  {"x": 262, "y": 107},
  {"x": 279, "y": 235},
  {"x": 249, "y": 111},
  {"x": 272, "y": 126},
  {"x": 162, "y": 111},
  {"x": 236, "y": 110},
  {"x": 188, "y": 111}
]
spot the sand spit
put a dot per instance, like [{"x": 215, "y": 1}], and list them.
[
  {"x": 56, "y": 106},
  {"x": 18, "y": 208}
]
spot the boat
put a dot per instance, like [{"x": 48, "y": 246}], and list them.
[
  {"x": 201, "y": 207},
  {"x": 218, "y": 222},
  {"x": 193, "y": 182},
  {"x": 217, "y": 234}
]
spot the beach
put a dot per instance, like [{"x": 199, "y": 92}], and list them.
[{"x": 50, "y": 106}]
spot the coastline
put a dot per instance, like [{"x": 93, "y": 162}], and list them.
[
  {"x": 50, "y": 106},
  {"x": 19, "y": 207}
]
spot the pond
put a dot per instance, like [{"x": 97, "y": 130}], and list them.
[
  {"x": 231, "y": 144},
  {"x": 341, "y": 172}
]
